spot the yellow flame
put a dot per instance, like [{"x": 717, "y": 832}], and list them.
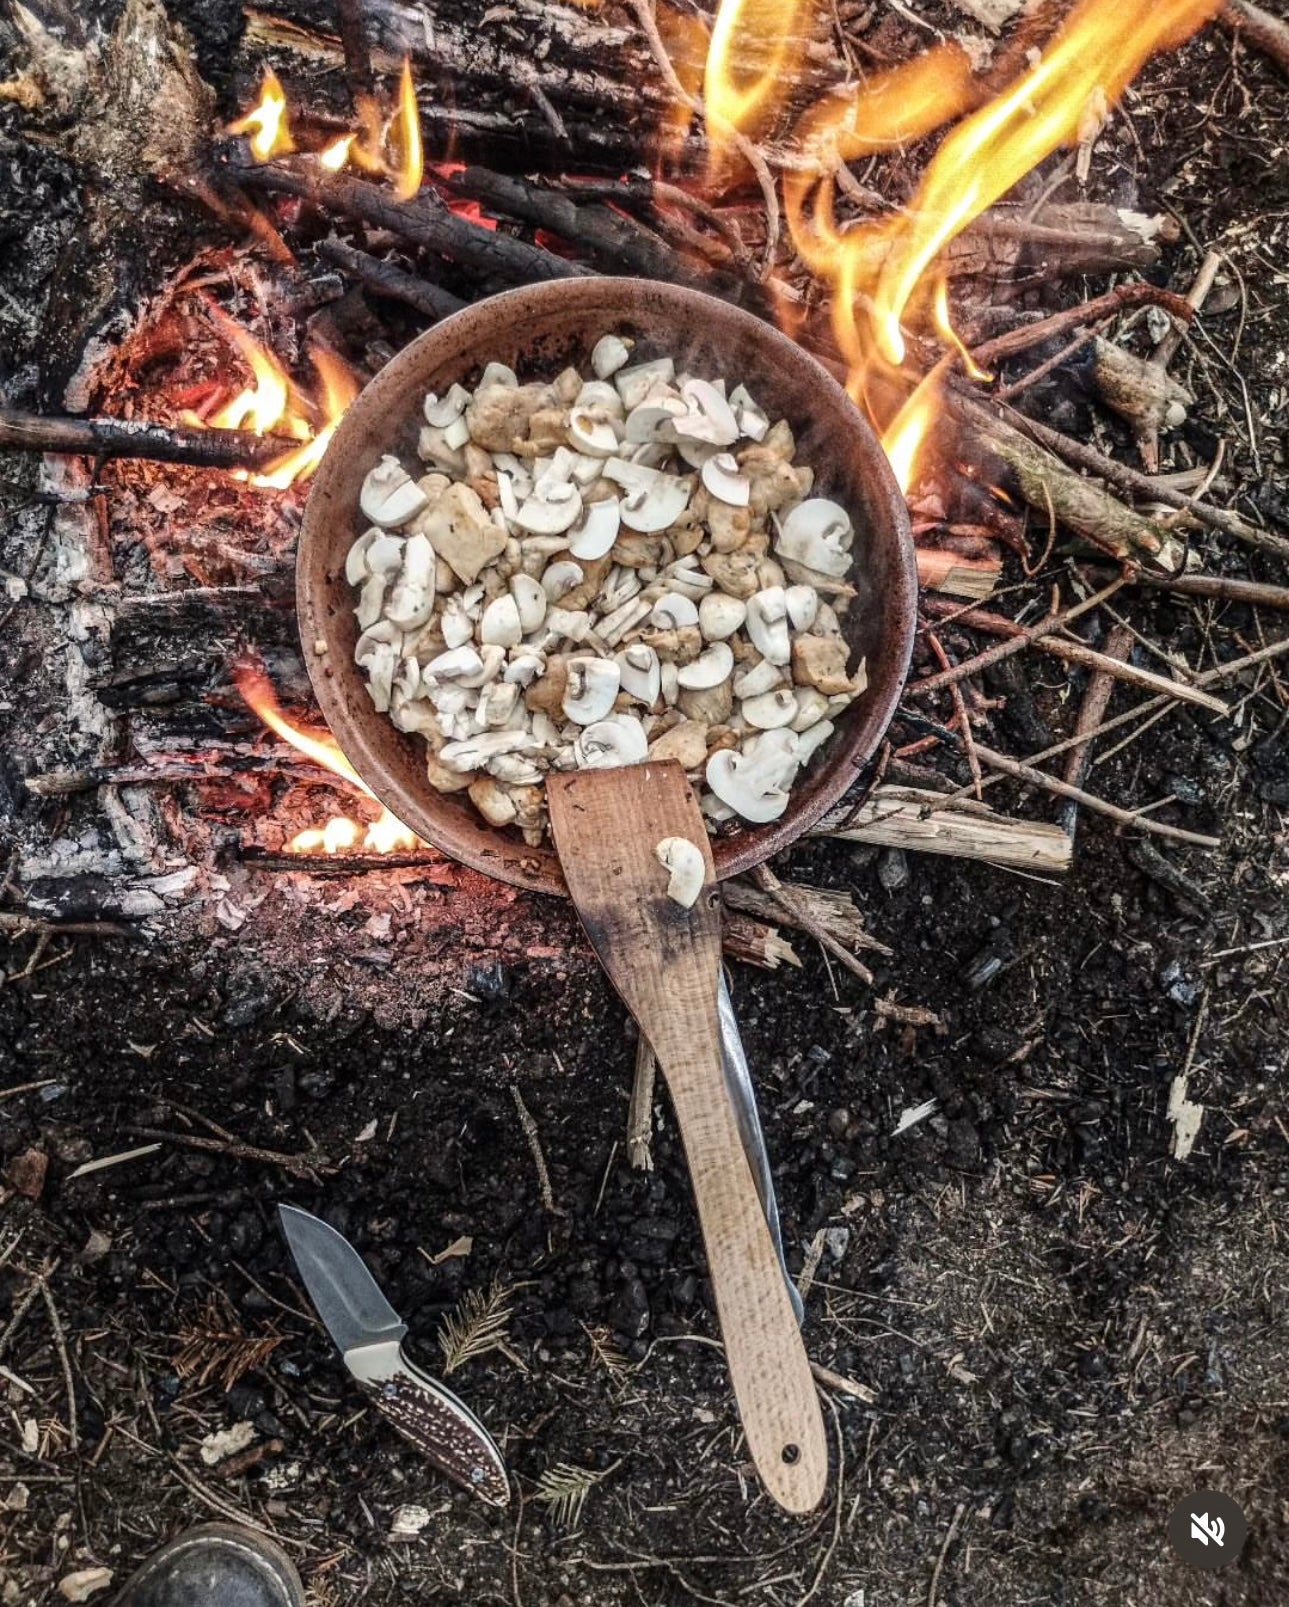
[
  {"x": 755, "y": 45},
  {"x": 948, "y": 334},
  {"x": 903, "y": 438},
  {"x": 407, "y": 125},
  {"x": 1100, "y": 49},
  {"x": 339, "y": 387},
  {"x": 334, "y": 157},
  {"x": 384, "y": 835},
  {"x": 266, "y": 122}
]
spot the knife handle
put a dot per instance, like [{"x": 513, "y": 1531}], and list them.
[{"x": 431, "y": 1417}]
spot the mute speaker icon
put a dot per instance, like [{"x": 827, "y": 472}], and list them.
[{"x": 1204, "y": 1529}]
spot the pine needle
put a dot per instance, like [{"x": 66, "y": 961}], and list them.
[
  {"x": 476, "y": 1325},
  {"x": 605, "y": 1353},
  {"x": 216, "y": 1345},
  {"x": 563, "y": 1490}
]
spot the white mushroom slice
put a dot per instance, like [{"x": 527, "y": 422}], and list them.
[
  {"x": 530, "y": 602},
  {"x": 357, "y": 568},
  {"x": 770, "y": 710},
  {"x": 411, "y": 602},
  {"x": 444, "y": 410},
  {"x": 585, "y": 470},
  {"x": 752, "y": 422},
  {"x": 473, "y": 753},
  {"x": 818, "y": 534},
  {"x": 715, "y": 810},
  {"x": 590, "y": 434},
  {"x": 499, "y": 374},
  {"x": 455, "y": 624},
  {"x": 386, "y": 553},
  {"x": 755, "y": 783},
  {"x": 688, "y": 580},
  {"x": 597, "y": 531},
  {"x": 696, "y": 453},
  {"x": 621, "y": 586},
  {"x": 494, "y": 803},
  {"x": 548, "y": 515},
  {"x": 496, "y": 705},
  {"x": 673, "y": 610},
  {"x": 687, "y": 866},
  {"x": 719, "y": 616},
  {"x": 379, "y": 656},
  {"x": 721, "y": 476},
  {"x": 519, "y": 471},
  {"x": 708, "y": 416},
  {"x": 492, "y": 660},
  {"x": 761, "y": 678},
  {"x": 500, "y": 622},
  {"x": 709, "y": 669},
  {"x": 456, "y": 434},
  {"x": 389, "y": 495},
  {"x": 653, "y": 501},
  {"x": 640, "y": 672},
  {"x": 608, "y": 355},
  {"x": 609, "y": 743},
  {"x": 802, "y": 603},
  {"x": 515, "y": 770},
  {"x": 558, "y": 579},
  {"x": 545, "y": 731},
  {"x": 652, "y": 420},
  {"x": 634, "y": 384},
  {"x": 432, "y": 448},
  {"x": 601, "y": 396},
  {"x": 553, "y": 471},
  {"x": 613, "y": 627},
  {"x": 453, "y": 665},
  {"x": 812, "y": 706},
  {"x": 506, "y": 492},
  {"x": 670, "y": 683},
  {"x": 524, "y": 667},
  {"x": 776, "y": 753},
  {"x": 449, "y": 698},
  {"x": 371, "y": 602},
  {"x": 412, "y": 714},
  {"x": 592, "y": 686},
  {"x": 566, "y": 624},
  {"x": 813, "y": 738},
  {"x": 767, "y": 624}
]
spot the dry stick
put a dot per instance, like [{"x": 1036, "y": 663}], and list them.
[
  {"x": 994, "y": 655},
  {"x": 135, "y": 438},
  {"x": 640, "y": 1110},
  {"x": 425, "y": 222},
  {"x": 1121, "y": 299},
  {"x": 1251, "y": 22},
  {"x": 353, "y": 39},
  {"x": 1075, "y": 652},
  {"x": 295, "y": 1165},
  {"x": 1126, "y": 817},
  {"x": 387, "y": 280},
  {"x": 960, "y": 712},
  {"x": 1132, "y": 480},
  {"x": 933, "y": 1595},
  {"x": 787, "y": 899},
  {"x": 835, "y": 911},
  {"x": 27, "y": 1088},
  {"x": 1096, "y": 699},
  {"x": 1026, "y": 381},
  {"x": 60, "y": 1345},
  {"x": 29, "y": 1298},
  {"x": 914, "y": 819},
  {"x": 1253, "y": 592},
  {"x": 1196, "y": 296},
  {"x": 535, "y": 1144},
  {"x": 31, "y": 926}
]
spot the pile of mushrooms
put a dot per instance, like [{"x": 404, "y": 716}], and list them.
[{"x": 596, "y": 571}]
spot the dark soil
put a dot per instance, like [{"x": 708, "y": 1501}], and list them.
[{"x": 1063, "y": 1330}]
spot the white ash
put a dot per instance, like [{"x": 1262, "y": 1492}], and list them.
[{"x": 600, "y": 570}]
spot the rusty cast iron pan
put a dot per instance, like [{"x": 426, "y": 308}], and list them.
[{"x": 539, "y": 330}]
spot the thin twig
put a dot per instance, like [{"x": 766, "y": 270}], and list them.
[
  {"x": 640, "y": 1110},
  {"x": 535, "y": 1144},
  {"x": 952, "y": 1534},
  {"x": 60, "y": 1345},
  {"x": 29, "y": 1298},
  {"x": 309, "y": 1167},
  {"x": 805, "y": 919}
]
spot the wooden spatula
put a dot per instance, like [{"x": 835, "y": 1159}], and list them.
[{"x": 664, "y": 960}]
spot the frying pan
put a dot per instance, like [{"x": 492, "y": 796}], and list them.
[{"x": 663, "y": 960}]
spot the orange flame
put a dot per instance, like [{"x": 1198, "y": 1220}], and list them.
[
  {"x": 266, "y": 122},
  {"x": 407, "y": 126},
  {"x": 754, "y": 45},
  {"x": 903, "y": 438},
  {"x": 384, "y": 835},
  {"x": 335, "y": 156},
  {"x": 339, "y": 387}
]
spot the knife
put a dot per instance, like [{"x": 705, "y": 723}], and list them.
[{"x": 369, "y": 1335}]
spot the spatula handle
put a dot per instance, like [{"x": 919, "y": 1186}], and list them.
[{"x": 767, "y": 1360}]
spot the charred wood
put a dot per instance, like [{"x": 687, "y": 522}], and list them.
[
  {"x": 135, "y": 438},
  {"x": 386, "y": 279}
]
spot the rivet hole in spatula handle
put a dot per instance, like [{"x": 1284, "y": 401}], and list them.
[{"x": 664, "y": 960}]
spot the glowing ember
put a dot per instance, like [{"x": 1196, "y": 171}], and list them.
[
  {"x": 385, "y": 835},
  {"x": 266, "y": 122},
  {"x": 407, "y": 127}
]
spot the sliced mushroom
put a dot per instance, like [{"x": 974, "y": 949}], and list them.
[
  {"x": 721, "y": 476},
  {"x": 812, "y": 706},
  {"x": 802, "y": 605},
  {"x": 708, "y": 416},
  {"x": 432, "y": 448},
  {"x": 755, "y": 791},
  {"x": 671, "y": 610},
  {"x": 444, "y": 410},
  {"x": 473, "y": 753},
  {"x": 515, "y": 769},
  {"x": 761, "y": 678},
  {"x": 530, "y": 602},
  {"x": 709, "y": 669},
  {"x": 597, "y": 531},
  {"x": 558, "y": 579},
  {"x": 652, "y": 419},
  {"x": 592, "y": 686},
  {"x": 550, "y": 510},
  {"x": 752, "y": 422},
  {"x": 492, "y": 660},
  {"x": 497, "y": 703},
  {"x": 378, "y": 651},
  {"x": 601, "y": 398},
  {"x": 634, "y": 384},
  {"x": 389, "y": 496},
  {"x": 500, "y": 623},
  {"x": 688, "y": 869},
  {"x": 817, "y": 533},
  {"x": 767, "y": 624},
  {"x": 770, "y": 710},
  {"x": 653, "y": 500},
  {"x": 612, "y": 742},
  {"x": 720, "y": 616},
  {"x": 640, "y": 673},
  {"x": 608, "y": 355},
  {"x": 454, "y": 664},
  {"x": 524, "y": 667},
  {"x": 813, "y": 738},
  {"x": 498, "y": 374}
]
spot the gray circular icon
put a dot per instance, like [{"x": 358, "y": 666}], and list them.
[{"x": 1208, "y": 1530}]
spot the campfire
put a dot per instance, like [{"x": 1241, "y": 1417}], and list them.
[{"x": 910, "y": 224}]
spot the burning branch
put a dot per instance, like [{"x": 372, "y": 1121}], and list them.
[{"x": 135, "y": 438}]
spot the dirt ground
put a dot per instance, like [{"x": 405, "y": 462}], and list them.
[{"x": 1051, "y": 1329}]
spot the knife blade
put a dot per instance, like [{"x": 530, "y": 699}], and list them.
[{"x": 369, "y": 1334}]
